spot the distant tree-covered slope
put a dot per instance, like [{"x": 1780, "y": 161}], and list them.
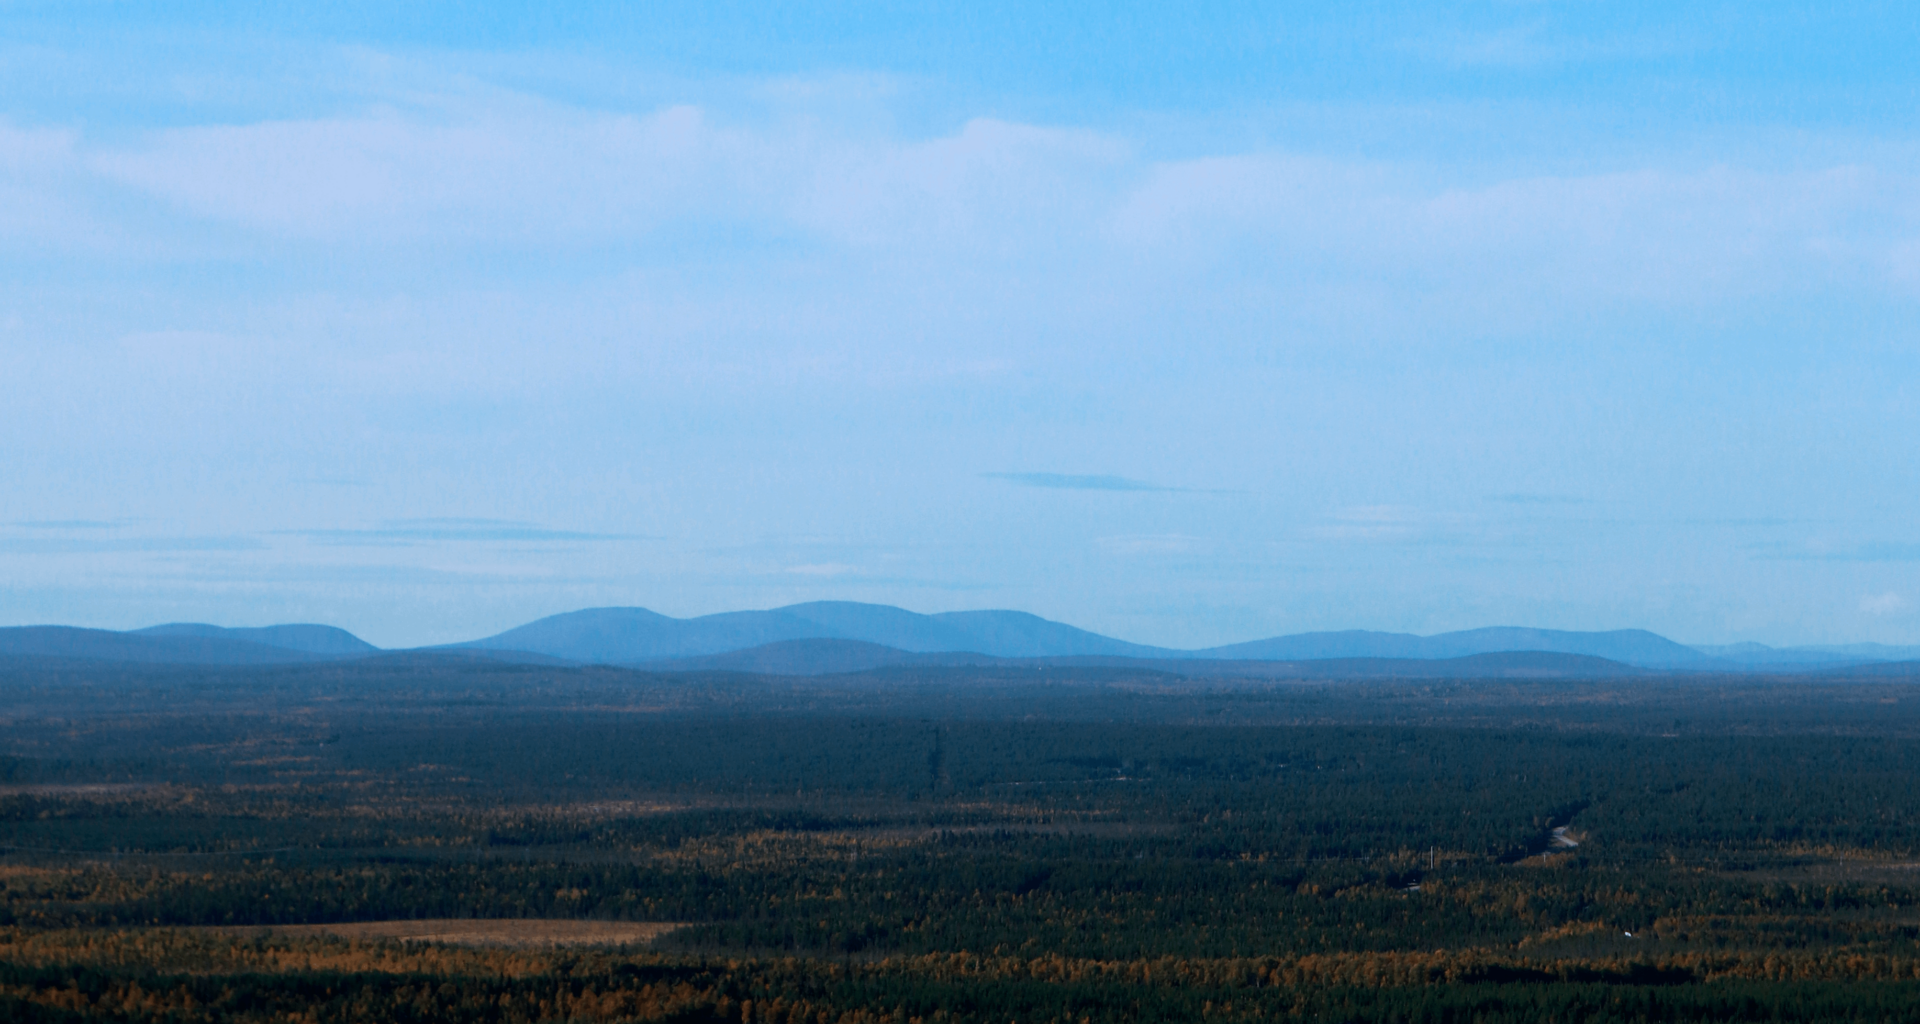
[
  {"x": 107, "y": 645},
  {"x": 1629, "y": 646},
  {"x": 309, "y": 637},
  {"x": 638, "y": 635}
]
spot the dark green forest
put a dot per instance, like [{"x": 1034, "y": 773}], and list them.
[{"x": 194, "y": 844}]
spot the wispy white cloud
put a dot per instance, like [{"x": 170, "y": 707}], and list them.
[
  {"x": 532, "y": 171},
  {"x": 422, "y": 531},
  {"x": 1682, "y": 237},
  {"x": 1373, "y": 523},
  {"x": 1077, "y": 482},
  {"x": 1888, "y": 603},
  {"x": 1534, "y": 45},
  {"x": 524, "y": 170},
  {"x": 1152, "y": 544},
  {"x": 823, "y": 569},
  {"x": 1533, "y": 498},
  {"x": 992, "y": 185},
  {"x": 85, "y": 545},
  {"x": 44, "y": 202},
  {"x": 1829, "y": 551}
]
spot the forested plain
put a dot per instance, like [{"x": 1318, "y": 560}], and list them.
[{"x": 912, "y": 846}]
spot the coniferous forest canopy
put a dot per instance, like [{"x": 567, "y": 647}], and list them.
[{"x": 951, "y": 844}]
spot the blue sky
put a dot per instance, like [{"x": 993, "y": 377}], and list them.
[{"x": 1185, "y": 324}]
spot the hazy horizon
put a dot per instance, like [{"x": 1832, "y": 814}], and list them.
[
  {"x": 1183, "y": 326},
  {"x": 736, "y": 611}
]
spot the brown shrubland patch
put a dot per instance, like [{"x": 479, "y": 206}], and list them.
[{"x": 516, "y": 932}]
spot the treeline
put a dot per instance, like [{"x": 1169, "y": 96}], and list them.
[
  {"x": 379, "y": 983},
  {"x": 459, "y": 691}
]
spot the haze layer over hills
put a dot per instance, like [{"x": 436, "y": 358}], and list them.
[{"x": 838, "y": 636}]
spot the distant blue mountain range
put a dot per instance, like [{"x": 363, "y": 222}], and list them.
[
  {"x": 310, "y": 639},
  {"x": 144, "y": 647},
  {"x": 634, "y": 635},
  {"x": 631, "y": 635},
  {"x": 817, "y": 636}
]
